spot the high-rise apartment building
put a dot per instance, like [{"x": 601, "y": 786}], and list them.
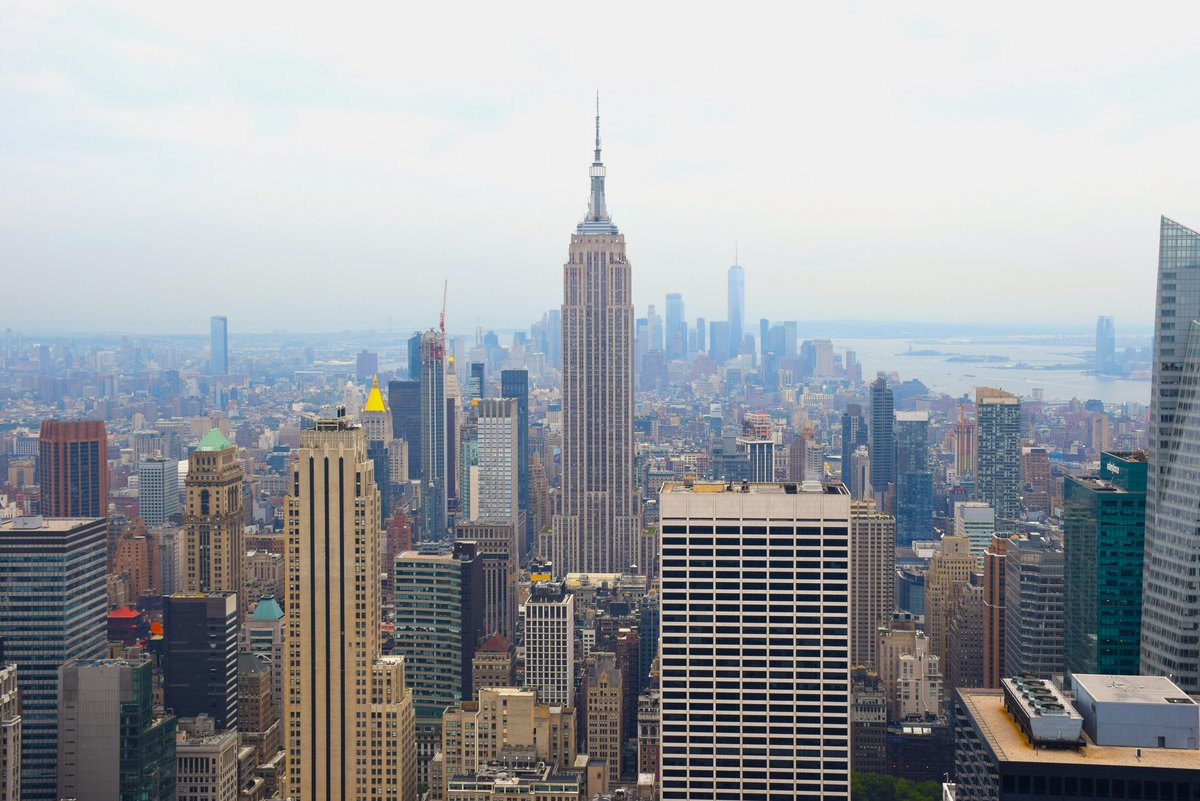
[
  {"x": 873, "y": 577},
  {"x": 1033, "y": 607},
  {"x": 214, "y": 518},
  {"x": 964, "y": 444},
  {"x": 54, "y": 611},
  {"x": 602, "y": 694},
  {"x": 10, "y": 733},
  {"x": 998, "y": 454},
  {"x": 914, "y": 483},
  {"x": 73, "y": 468},
  {"x": 736, "y": 296},
  {"x": 434, "y": 469},
  {"x": 883, "y": 442},
  {"x": 1170, "y": 588},
  {"x": 218, "y": 363},
  {"x": 600, "y": 524},
  {"x": 735, "y": 714},
  {"x": 111, "y": 743},
  {"x": 549, "y": 621},
  {"x": 1104, "y": 522},
  {"x": 348, "y": 713},
  {"x": 909, "y": 670},
  {"x": 200, "y": 638},
  {"x": 158, "y": 489},
  {"x": 404, "y": 400}
]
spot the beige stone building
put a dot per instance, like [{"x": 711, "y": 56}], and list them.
[
  {"x": 494, "y": 664},
  {"x": 349, "y": 717},
  {"x": 599, "y": 525},
  {"x": 910, "y": 672},
  {"x": 475, "y": 732},
  {"x": 214, "y": 519},
  {"x": 603, "y": 694},
  {"x": 948, "y": 567}
]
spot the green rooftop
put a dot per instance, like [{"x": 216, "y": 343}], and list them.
[{"x": 214, "y": 441}]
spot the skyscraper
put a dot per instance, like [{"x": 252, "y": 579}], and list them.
[
  {"x": 73, "y": 468},
  {"x": 515, "y": 384},
  {"x": 736, "y": 296},
  {"x": 550, "y": 642},
  {"x": 1033, "y": 607},
  {"x": 883, "y": 438},
  {"x": 10, "y": 733},
  {"x": 1170, "y": 589},
  {"x": 213, "y": 518},
  {"x": 914, "y": 483},
  {"x": 873, "y": 578},
  {"x": 200, "y": 634},
  {"x": 495, "y": 491},
  {"x": 854, "y": 434},
  {"x": 376, "y": 421},
  {"x": 111, "y": 744},
  {"x": 348, "y": 714},
  {"x": 404, "y": 400},
  {"x": 677, "y": 328},
  {"x": 998, "y": 454},
  {"x": 54, "y": 611},
  {"x": 740, "y": 718},
  {"x": 497, "y": 545},
  {"x": 219, "y": 360},
  {"x": 433, "y": 435},
  {"x": 1106, "y": 345},
  {"x": 600, "y": 524},
  {"x": 1104, "y": 522},
  {"x": 158, "y": 489}
]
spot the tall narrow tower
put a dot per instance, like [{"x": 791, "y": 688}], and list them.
[
  {"x": 599, "y": 527},
  {"x": 1170, "y": 588},
  {"x": 214, "y": 519},
  {"x": 349, "y": 716},
  {"x": 737, "y": 308}
]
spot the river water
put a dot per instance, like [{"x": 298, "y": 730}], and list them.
[{"x": 957, "y": 378}]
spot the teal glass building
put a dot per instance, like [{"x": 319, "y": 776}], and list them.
[{"x": 1103, "y": 536}]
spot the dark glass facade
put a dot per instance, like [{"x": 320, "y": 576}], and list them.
[
  {"x": 200, "y": 656},
  {"x": 1103, "y": 534}
]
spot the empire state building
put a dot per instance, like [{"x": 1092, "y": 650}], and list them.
[{"x": 599, "y": 529}]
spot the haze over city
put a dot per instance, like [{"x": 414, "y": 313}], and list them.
[{"x": 158, "y": 151}]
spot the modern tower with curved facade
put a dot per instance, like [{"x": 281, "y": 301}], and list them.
[{"x": 599, "y": 528}]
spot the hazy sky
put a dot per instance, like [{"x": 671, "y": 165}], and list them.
[{"x": 324, "y": 167}]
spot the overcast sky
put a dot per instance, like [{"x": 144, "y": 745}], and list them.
[{"x": 327, "y": 169}]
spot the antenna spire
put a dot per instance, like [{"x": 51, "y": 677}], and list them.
[{"x": 597, "y": 126}]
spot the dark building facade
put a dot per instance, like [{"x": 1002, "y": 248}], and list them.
[
  {"x": 404, "y": 401},
  {"x": 200, "y": 656}
]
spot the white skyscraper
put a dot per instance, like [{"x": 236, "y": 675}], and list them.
[
  {"x": 495, "y": 480},
  {"x": 158, "y": 489},
  {"x": 755, "y": 641},
  {"x": 977, "y": 522},
  {"x": 549, "y": 617}
]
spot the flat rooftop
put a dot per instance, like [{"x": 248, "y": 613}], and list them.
[
  {"x": 1003, "y": 736},
  {"x": 39, "y": 523},
  {"x": 1132, "y": 689},
  {"x": 757, "y": 488}
]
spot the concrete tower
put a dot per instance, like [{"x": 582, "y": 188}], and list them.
[
  {"x": 599, "y": 526},
  {"x": 349, "y": 716}
]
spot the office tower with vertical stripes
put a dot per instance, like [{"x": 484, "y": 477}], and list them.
[
  {"x": 348, "y": 715},
  {"x": 755, "y": 702},
  {"x": 214, "y": 519}
]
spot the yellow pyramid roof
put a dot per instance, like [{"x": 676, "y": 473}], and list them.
[{"x": 375, "y": 398}]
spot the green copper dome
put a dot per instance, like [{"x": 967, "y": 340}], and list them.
[{"x": 214, "y": 441}]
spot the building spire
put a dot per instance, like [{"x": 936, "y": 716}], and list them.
[{"x": 597, "y": 220}]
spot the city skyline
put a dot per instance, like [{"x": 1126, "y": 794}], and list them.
[{"x": 335, "y": 129}]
